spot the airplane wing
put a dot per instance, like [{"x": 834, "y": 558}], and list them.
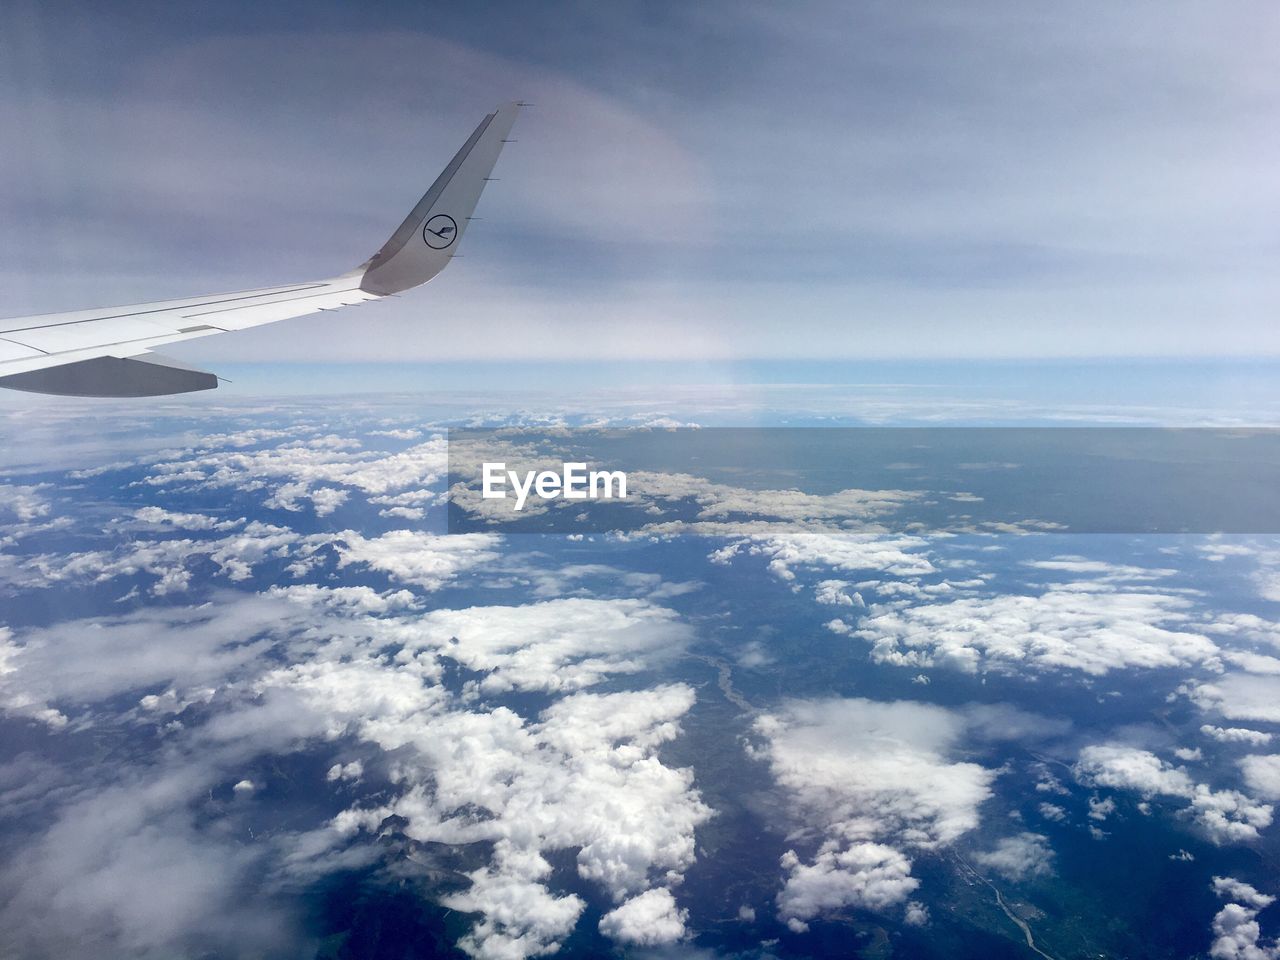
[{"x": 108, "y": 352}]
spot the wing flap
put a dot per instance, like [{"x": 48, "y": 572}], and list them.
[
  {"x": 157, "y": 327},
  {"x": 15, "y": 351},
  {"x": 66, "y": 337},
  {"x": 269, "y": 311},
  {"x": 159, "y": 307}
]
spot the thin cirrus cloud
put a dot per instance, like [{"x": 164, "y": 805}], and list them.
[{"x": 895, "y": 181}]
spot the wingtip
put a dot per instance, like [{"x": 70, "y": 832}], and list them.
[{"x": 508, "y": 108}]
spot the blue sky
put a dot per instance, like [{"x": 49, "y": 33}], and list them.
[{"x": 701, "y": 182}]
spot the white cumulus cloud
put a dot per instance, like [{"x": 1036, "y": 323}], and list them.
[
  {"x": 1262, "y": 775},
  {"x": 1061, "y": 629},
  {"x": 422, "y": 559},
  {"x": 1227, "y": 816},
  {"x": 1019, "y": 857},
  {"x": 1254, "y": 738},
  {"x": 649, "y": 920},
  {"x": 870, "y": 780},
  {"x": 1237, "y": 935}
]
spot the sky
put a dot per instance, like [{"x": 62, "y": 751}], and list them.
[{"x": 695, "y": 182}]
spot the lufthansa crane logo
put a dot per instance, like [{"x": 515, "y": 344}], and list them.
[{"x": 440, "y": 231}]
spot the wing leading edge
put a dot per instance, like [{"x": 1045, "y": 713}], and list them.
[{"x": 108, "y": 352}]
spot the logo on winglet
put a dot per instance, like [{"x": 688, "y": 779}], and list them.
[{"x": 440, "y": 231}]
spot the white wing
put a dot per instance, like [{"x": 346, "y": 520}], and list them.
[{"x": 108, "y": 352}]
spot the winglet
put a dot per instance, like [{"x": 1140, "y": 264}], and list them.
[{"x": 425, "y": 243}]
